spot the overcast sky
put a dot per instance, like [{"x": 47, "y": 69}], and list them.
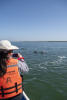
[{"x": 33, "y": 20}]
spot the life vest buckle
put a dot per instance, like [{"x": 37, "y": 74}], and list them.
[
  {"x": 2, "y": 90},
  {"x": 16, "y": 87}
]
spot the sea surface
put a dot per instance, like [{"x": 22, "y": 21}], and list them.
[{"x": 47, "y": 76}]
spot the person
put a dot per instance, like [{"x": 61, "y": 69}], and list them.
[{"x": 10, "y": 72}]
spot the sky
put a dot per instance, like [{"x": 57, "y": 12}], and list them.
[{"x": 33, "y": 20}]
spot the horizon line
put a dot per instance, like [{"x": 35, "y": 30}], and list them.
[{"x": 36, "y": 41}]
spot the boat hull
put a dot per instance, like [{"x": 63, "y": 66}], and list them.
[{"x": 25, "y": 97}]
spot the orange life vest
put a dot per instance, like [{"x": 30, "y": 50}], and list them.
[{"x": 11, "y": 82}]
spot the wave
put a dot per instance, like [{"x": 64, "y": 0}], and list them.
[
  {"x": 62, "y": 57},
  {"x": 42, "y": 66}
]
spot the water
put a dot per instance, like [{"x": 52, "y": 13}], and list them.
[{"x": 47, "y": 78}]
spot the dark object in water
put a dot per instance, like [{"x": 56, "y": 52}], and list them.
[
  {"x": 22, "y": 48},
  {"x": 35, "y": 52},
  {"x": 42, "y": 52}
]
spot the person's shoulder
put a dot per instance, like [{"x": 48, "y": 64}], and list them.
[{"x": 14, "y": 60}]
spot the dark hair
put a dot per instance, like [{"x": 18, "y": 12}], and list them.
[{"x": 3, "y": 64}]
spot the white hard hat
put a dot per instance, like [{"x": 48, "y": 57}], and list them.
[{"x": 6, "y": 45}]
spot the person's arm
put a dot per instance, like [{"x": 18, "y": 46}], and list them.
[{"x": 23, "y": 67}]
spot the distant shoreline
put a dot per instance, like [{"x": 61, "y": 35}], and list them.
[{"x": 38, "y": 41}]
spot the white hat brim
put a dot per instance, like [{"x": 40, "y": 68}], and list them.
[
  {"x": 12, "y": 47},
  {"x": 6, "y": 45}
]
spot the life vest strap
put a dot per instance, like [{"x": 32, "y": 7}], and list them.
[
  {"x": 11, "y": 92},
  {"x": 10, "y": 87},
  {"x": 2, "y": 91},
  {"x": 16, "y": 86}
]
